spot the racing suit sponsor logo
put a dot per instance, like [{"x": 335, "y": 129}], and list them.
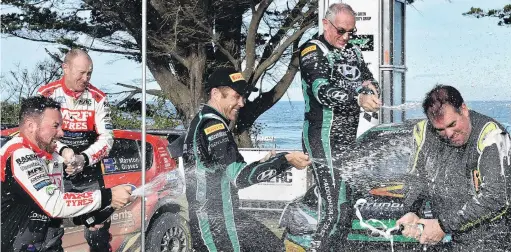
[
  {"x": 29, "y": 166},
  {"x": 350, "y": 72},
  {"x": 109, "y": 126},
  {"x": 26, "y": 158},
  {"x": 60, "y": 99},
  {"x": 308, "y": 49},
  {"x": 42, "y": 184},
  {"x": 218, "y": 142},
  {"x": 266, "y": 175},
  {"x": 77, "y": 120},
  {"x": 50, "y": 190},
  {"x": 217, "y": 135},
  {"x": 84, "y": 102},
  {"x": 336, "y": 95},
  {"x": 38, "y": 217},
  {"x": 78, "y": 199},
  {"x": 214, "y": 128},
  {"x": 236, "y": 77},
  {"x": 309, "y": 56},
  {"x": 101, "y": 153},
  {"x": 34, "y": 171}
]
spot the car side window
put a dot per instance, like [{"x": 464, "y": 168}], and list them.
[{"x": 125, "y": 156}]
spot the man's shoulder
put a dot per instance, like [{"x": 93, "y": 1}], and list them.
[
  {"x": 96, "y": 93},
  {"x": 312, "y": 47},
  {"x": 48, "y": 89}
]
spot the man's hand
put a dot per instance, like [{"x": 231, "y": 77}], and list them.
[
  {"x": 73, "y": 170},
  {"x": 371, "y": 86},
  {"x": 410, "y": 223},
  {"x": 432, "y": 233},
  {"x": 369, "y": 102},
  {"x": 268, "y": 156},
  {"x": 298, "y": 159},
  {"x": 68, "y": 154},
  {"x": 121, "y": 195}
]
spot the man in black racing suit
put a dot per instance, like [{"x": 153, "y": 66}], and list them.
[
  {"x": 336, "y": 83},
  {"x": 216, "y": 171},
  {"x": 463, "y": 158},
  {"x": 33, "y": 201},
  {"x": 87, "y": 132}
]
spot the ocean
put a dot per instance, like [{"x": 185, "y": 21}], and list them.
[{"x": 282, "y": 124}]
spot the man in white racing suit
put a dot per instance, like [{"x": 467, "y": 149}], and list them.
[
  {"x": 31, "y": 183},
  {"x": 88, "y": 135}
]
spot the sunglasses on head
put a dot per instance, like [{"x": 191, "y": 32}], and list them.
[{"x": 341, "y": 31}]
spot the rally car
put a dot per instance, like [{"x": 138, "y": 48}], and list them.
[
  {"x": 375, "y": 169},
  {"x": 166, "y": 208}
]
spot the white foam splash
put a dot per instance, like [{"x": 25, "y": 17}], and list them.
[
  {"x": 404, "y": 106},
  {"x": 171, "y": 181},
  {"x": 387, "y": 233}
]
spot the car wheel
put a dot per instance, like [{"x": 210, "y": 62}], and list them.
[{"x": 169, "y": 233}]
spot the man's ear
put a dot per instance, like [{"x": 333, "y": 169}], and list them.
[
  {"x": 65, "y": 67},
  {"x": 31, "y": 124},
  {"x": 464, "y": 109}
]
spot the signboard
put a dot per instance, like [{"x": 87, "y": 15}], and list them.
[{"x": 285, "y": 187}]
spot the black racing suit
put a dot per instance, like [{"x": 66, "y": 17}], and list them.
[
  {"x": 33, "y": 201},
  {"x": 468, "y": 187},
  {"x": 87, "y": 130},
  {"x": 331, "y": 81},
  {"x": 214, "y": 173}
]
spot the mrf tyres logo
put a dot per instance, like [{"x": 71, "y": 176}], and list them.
[
  {"x": 77, "y": 119},
  {"x": 78, "y": 199}
]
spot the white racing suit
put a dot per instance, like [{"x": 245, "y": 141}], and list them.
[
  {"x": 33, "y": 199},
  {"x": 87, "y": 130}
]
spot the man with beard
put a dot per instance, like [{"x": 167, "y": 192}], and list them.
[
  {"x": 31, "y": 175},
  {"x": 464, "y": 158},
  {"x": 336, "y": 83},
  {"x": 88, "y": 135},
  {"x": 217, "y": 170}
]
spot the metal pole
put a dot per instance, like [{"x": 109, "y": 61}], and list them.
[{"x": 144, "y": 59}]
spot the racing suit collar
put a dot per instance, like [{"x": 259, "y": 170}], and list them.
[
  {"x": 208, "y": 109},
  {"x": 70, "y": 92},
  {"x": 40, "y": 153}
]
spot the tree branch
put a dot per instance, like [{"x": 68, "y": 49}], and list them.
[{"x": 250, "y": 44}]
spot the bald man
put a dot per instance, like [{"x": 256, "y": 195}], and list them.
[{"x": 88, "y": 135}]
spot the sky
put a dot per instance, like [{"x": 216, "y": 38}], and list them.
[{"x": 442, "y": 46}]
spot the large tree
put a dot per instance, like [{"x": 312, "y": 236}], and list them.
[
  {"x": 504, "y": 14},
  {"x": 186, "y": 41}
]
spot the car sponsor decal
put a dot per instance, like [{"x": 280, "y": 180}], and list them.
[
  {"x": 388, "y": 191},
  {"x": 308, "y": 49},
  {"x": 214, "y": 128},
  {"x": 109, "y": 165}
]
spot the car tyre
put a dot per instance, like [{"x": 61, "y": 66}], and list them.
[{"x": 169, "y": 233}]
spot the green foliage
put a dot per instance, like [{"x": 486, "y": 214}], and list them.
[
  {"x": 475, "y": 11},
  {"x": 507, "y": 8},
  {"x": 10, "y": 112},
  {"x": 158, "y": 116}
]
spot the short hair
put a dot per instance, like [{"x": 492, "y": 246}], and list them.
[
  {"x": 223, "y": 90},
  {"x": 336, "y": 8},
  {"x": 440, "y": 95},
  {"x": 73, "y": 53},
  {"x": 35, "y": 106}
]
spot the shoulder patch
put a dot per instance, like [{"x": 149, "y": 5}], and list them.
[
  {"x": 214, "y": 128},
  {"x": 485, "y": 133},
  {"x": 308, "y": 50}
]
